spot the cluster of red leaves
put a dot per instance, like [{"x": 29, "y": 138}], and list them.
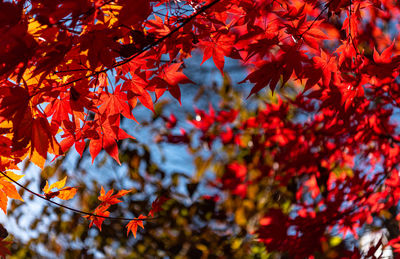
[
  {"x": 54, "y": 82},
  {"x": 107, "y": 199},
  {"x": 57, "y": 55}
]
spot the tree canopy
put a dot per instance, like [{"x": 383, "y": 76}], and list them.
[{"x": 294, "y": 159}]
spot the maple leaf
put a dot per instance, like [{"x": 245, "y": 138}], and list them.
[
  {"x": 395, "y": 243},
  {"x": 59, "y": 109},
  {"x": 346, "y": 53},
  {"x": 57, "y": 55},
  {"x": 171, "y": 121},
  {"x": 169, "y": 79},
  {"x": 136, "y": 87},
  {"x": 112, "y": 104},
  {"x": 54, "y": 56},
  {"x": 13, "y": 103},
  {"x": 110, "y": 199},
  {"x": 98, "y": 221},
  {"x": 42, "y": 141},
  {"x": 262, "y": 47},
  {"x": 218, "y": 48},
  {"x": 12, "y": 175},
  {"x": 158, "y": 26},
  {"x": 71, "y": 138},
  {"x": 322, "y": 68},
  {"x": 309, "y": 31},
  {"x": 80, "y": 97},
  {"x": 313, "y": 187},
  {"x": 100, "y": 44},
  {"x": 34, "y": 134},
  {"x": 107, "y": 199},
  {"x": 106, "y": 142},
  {"x": 133, "y": 224},
  {"x": 156, "y": 205},
  {"x": 21, "y": 47},
  {"x": 8, "y": 190},
  {"x": 64, "y": 193},
  {"x": 268, "y": 73},
  {"x": 104, "y": 135},
  {"x": 384, "y": 65},
  {"x": 337, "y": 5}
]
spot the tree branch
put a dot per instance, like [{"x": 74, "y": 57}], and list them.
[{"x": 72, "y": 209}]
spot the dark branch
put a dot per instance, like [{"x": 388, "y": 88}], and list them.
[{"x": 69, "y": 208}]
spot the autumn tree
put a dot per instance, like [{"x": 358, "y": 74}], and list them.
[{"x": 313, "y": 162}]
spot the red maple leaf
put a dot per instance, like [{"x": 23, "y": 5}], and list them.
[
  {"x": 116, "y": 103},
  {"x": 218, "y": 48},
  {"x": 133, "y": 224},
  {"x": 136, "y": 87},
  {"x": 156, "y": 205},
  {"x": 322, "y": 68},
  {"x": 169, "y": 79},
  {"x": 268, "y": 73},
  {"x": 98, "y": 221}
]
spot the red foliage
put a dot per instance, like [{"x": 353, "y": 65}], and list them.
[{"x": 56, "y": 56}]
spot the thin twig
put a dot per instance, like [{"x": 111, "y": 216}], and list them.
[{"x": 72, "y": 209}]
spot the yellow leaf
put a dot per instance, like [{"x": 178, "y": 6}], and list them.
[
  {"x": 58, "y": 185},
  {"x": 54, "y": 147},
  {"x": 236, "y": 243},
  {"x": 46, "y": 187},
  {"x": 64, "y": 193},
  {"x": 12, "y": 175}
]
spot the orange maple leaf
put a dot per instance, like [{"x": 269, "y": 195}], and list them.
[
  {"x": 8, "y": 190},
  {"x": 99, "y": 211},
  {"x": 64, "y": 193},
  {"x": 133, "y": 224},
  {"x": 108, "y": 198}
]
